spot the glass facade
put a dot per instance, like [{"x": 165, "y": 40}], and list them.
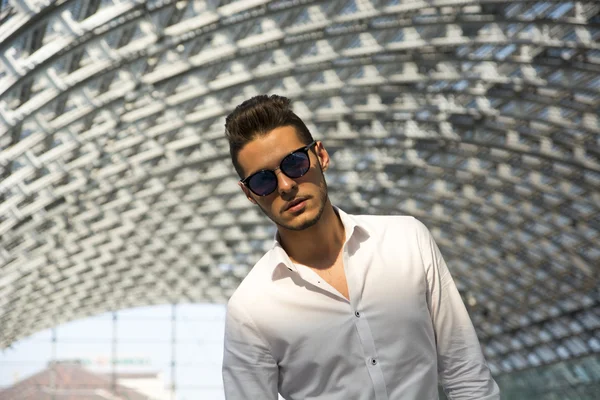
[{"x": 478, "y": 117}]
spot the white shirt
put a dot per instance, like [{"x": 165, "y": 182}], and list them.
[{"x": 288, "y": 331}]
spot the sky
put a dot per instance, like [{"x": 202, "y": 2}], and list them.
[{"x": 144, "y": 345}]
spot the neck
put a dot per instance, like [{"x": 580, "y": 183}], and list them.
[{"x": 317, "y": 246}]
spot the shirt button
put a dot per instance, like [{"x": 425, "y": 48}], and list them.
[
  {"x": 357, "y": 314},
  {"x": 373, "y": 361}
]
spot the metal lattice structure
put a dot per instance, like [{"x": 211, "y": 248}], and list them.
[{"x": 478, "y": 117}]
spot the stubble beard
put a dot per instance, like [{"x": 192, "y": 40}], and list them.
[{"x": 322, "y": 198}]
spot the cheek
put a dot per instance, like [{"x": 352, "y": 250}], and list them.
[
  {"x": 268, "y": 204},
  {"x": 317, "y": 178}
]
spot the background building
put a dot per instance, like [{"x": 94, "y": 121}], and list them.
[
  {"x": 72, "y": 381},
  {"x": 478, "y": 117}
]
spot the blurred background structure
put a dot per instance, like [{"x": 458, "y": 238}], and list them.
[{"x": 481, "y": 118}]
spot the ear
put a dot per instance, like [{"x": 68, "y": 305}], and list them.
[
  {"x": 322, "y": 155},
  {"x": 247, "y": 192}
]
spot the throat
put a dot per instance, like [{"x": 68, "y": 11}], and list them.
[{"x": 318, "y": 246}]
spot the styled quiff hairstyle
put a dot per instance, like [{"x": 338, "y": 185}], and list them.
[{"x": 258, "y": 116}]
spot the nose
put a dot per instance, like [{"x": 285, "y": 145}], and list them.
[{"x": 285, "y": 184}]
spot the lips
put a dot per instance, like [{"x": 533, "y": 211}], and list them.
[{"x": 294, "y": 203}]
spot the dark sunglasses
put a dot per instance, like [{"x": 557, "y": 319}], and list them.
[{"x": 294, "y": 165}]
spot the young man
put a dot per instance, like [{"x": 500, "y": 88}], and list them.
[{"x": 343, "y": 306}]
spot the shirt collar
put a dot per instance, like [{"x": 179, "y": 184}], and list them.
[{"x": 351, "y": 227}]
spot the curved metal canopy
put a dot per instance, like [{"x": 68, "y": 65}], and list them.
[{"x": 478, "y": 117}]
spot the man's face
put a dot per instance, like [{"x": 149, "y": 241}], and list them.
[{"x": 310, "y": 190}]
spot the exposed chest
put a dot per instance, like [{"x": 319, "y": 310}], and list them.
[{"x": 336, "y": 277}]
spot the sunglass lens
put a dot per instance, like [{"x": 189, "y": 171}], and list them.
[
  {"x": 263, "y": 183},
  {"x": 295, "y": 165}
]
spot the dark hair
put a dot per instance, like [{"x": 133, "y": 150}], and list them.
[{"x": 258, "y": 116}]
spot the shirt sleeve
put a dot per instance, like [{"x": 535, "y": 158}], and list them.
[
  {"x": 249, "y": 370},
  {"x": 462, "y": 369}
]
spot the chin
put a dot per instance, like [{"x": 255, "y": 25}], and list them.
[
  {"x": 305, "y": 224},
  {"x": 302, "y": 221}
]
